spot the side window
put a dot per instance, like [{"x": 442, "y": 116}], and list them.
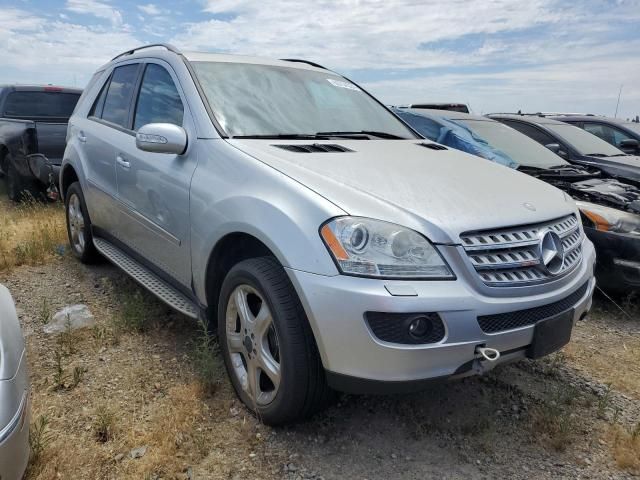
[
  {"x": 159, "y": 100},
  {"x": 619, "y": 136},
  {"x": 96, "y": 109},
  {"x": 118, "y": 99},
  {"x": 532, "y": 132},
  {"x": 423, "y": 125}
]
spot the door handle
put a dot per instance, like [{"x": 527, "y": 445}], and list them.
[
  {"x": 122, "y": 162},
  {"x": 81, "y": 136}
]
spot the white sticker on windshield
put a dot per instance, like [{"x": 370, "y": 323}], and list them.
[{"x": 341, "y": 84}]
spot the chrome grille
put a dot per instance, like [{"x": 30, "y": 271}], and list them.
[{"x": 511, "y": 256}]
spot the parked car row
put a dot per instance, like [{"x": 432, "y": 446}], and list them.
[
  {"x": 610, "y": 208},
  {"x": 334, "y": 246}
]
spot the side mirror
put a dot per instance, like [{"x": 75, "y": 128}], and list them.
[
  {"x": 629, "y": 145},
  {"x": 557, "y": 149},
  {"x": 162, "y": 138}
]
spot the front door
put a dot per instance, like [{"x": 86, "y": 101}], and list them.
[{"x": 153, "y": 188}]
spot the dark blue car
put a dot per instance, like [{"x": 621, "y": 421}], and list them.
[
  {"x": 575, "y": 145},
  {"x": 622, "y": 134}
]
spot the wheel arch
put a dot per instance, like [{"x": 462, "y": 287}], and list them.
[
  {"x": 228, "y": 251},
  {"x": 68, "y": 175}
]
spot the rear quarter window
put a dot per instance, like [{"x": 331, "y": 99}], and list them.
[
  {"x": 24, "y": 104},
  {"x": 118, "y": 98}
]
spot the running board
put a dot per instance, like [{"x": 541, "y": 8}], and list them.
[{"x": 147, "y": 279}]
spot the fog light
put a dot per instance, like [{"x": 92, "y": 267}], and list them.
[{"x": 420, "y": 327}]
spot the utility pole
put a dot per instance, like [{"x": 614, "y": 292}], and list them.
[{"x": 618, "y": 102}]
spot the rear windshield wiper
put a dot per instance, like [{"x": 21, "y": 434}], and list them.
[
  {"x": 371, "y": 133},
  {"x": 286, "y": 136}
]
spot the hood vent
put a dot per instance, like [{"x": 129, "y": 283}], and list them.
[
  {"x": 433, "y": 146},
  {"x": 314, "y": 148}
]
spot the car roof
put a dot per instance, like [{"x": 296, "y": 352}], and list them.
[
  {"x": 41, "y": 88},
  {"x": 447, "y": 114},
  {"x": 166, "y": 52},
  {"x": 527, "y": 118},
  {"x": 589, "y": 118}
]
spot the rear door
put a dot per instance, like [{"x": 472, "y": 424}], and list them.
[
  {"x": 154, "y": 188},
  {"x": 101, "y": 134}
]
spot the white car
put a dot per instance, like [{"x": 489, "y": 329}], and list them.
[{"x": 14, "y": 393}]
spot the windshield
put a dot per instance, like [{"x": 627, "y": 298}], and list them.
[
  {"x": 517, "y": 145},
  {"x": 256, "y": 100},
  {"x": 584, "y": 142}
]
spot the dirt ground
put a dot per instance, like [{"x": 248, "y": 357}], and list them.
[{"x": 127, "y": 398}]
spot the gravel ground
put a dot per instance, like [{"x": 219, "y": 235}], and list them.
[{"x": 555, "y": 418}]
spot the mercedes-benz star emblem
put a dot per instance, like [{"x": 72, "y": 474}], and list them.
[{"x": 551, "y": 252}]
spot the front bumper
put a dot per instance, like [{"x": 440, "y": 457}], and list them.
[
  {"x": 14, "y": 435},
  {"x": 618, "y": 266},
  {"x": 357, "y": 361}
]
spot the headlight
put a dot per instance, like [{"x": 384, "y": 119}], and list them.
[
  {"x": 372, "y": 248},
  {"x": 608, "y": 219}
]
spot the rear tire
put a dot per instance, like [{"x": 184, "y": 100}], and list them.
[
  {"x": 18, "y": 187},
  {"x": 79, "y": 225},
  {"x": 14, "y": 183},
  {"x": 283, "y": 345}
]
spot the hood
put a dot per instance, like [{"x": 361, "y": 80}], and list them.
[
  {"x": 441, "y": 192},
  {"x": 607, "y": 192},
  {"x": 625, "y": 167},
  {"x": 11, "y": 342}
]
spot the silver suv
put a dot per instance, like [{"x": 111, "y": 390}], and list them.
[{"x": 333, "y": 248}]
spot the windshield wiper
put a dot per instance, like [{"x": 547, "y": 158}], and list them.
[
  {"x": 286, "y": 136},
  {"x": 371, "y": 133},
  {"x": 597, "y": 155}
]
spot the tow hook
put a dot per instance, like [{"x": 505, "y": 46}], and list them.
[{"x": 489, "y": 354}]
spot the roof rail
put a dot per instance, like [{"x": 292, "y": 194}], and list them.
[
  {"x": 522, "y": 114},
  {"x": 169, "y": 47},
  {"x": 565, "y": 114},
  {"x": 298, "y": 60}
]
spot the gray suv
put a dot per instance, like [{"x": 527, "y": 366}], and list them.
[{"x": 332, "y": 247}]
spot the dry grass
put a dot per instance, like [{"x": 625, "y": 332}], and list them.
[
  {"x": 625, "y": 445},
  {"x": 611, "y": 350},
  {"x": 554, "y": 421},
  {"x": 30, "y": 233}
]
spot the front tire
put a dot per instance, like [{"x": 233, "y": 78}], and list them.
[
  {"x": 267, "y": 344},
  {"x": 79, "y": 225}
]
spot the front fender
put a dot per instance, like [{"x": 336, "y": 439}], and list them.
[{"x": 234, "y": 193}]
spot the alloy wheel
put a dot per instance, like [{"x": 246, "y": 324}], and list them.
[
  {"x": 253, "y": 345},
  {"x": 75, "y": 218}
]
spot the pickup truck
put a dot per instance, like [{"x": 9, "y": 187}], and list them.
[{"x": 33, "y": 128}]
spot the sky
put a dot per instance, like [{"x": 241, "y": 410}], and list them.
[{"x": 495, "y": 55}]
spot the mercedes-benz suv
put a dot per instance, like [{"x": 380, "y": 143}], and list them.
[{"x": 333, "y": 247}]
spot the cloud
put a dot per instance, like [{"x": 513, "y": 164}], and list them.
[
  {"x": 41, "y": 50},
  {"x": 544, "y": 51},
  {"x": 150, "y": 9},
  {"x": 97, "y": 9},
  {"x": 497, "y": 54}
]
